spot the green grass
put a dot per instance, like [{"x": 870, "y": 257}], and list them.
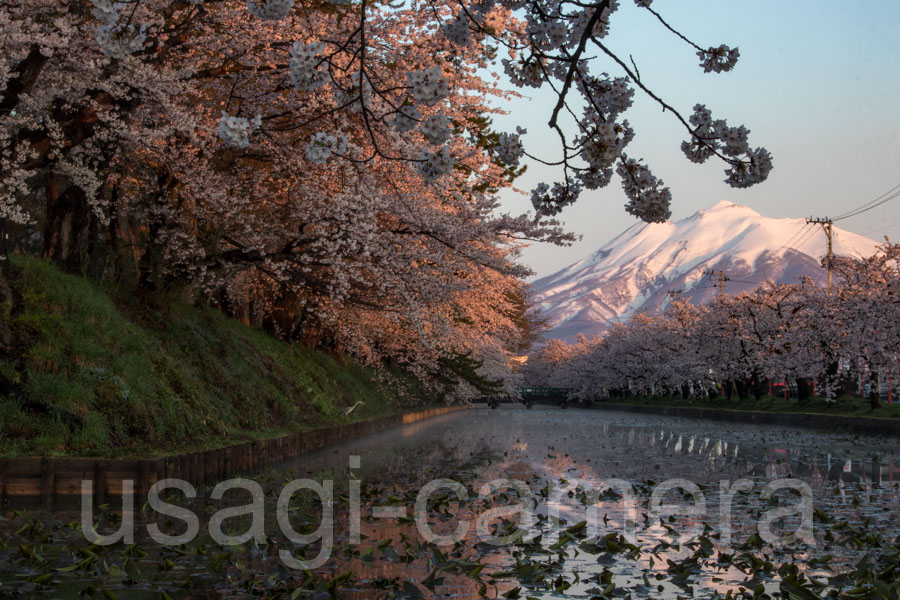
[
  {"x": 844, "y": 405},
  {"x": 101, "y": 377}
]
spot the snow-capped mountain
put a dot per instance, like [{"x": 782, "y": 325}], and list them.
[{"x": 636, "y": 270}]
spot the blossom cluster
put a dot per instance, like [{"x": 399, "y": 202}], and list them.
[
  {"x": 359, "y": 95},
  {"x": 594, "y": 178},
  {"x": 755, "y": 169},
  {"x": 554, "y": 52},
  {"x": 524, "y": 72},
  {"x": 322, "y": 145},
  {"x": 509, "y": 147},
  {"x": 609, "y": 96},
  {"x": 603, "y": 144},
  {"x": 709, "y": 136},
  {"x": 434, "y": 165},
  {"x": 458, "y": 31},
  {"x": 549, "y": 202},
  {"x": 648, "y": 198},
  {"x": 235, "y": 131},
  {"x": 548, "y": 34},
  {"x": 718, "y": 59},
  {"x": 407, "y": 118},
  {"x": 304, "y": 65},
  {"x": 601, "y": 26},
  {"x": 117, "y": 40},
  {"x": 270, "y": 10},
  {"x": 428, "y": 85},
  {"x": 436, "y": 128}
]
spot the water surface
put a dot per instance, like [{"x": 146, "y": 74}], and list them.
[{"x": 589, "y": 477}]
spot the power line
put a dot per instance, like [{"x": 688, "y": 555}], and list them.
[
  {"x": 584, "y": 320},
  {"x": 883, "y": 198},
  {"x": 844, "y": 215},
  {"x": 803, "y": 239},
  {"x": 624, "y": 296},
  {"x": 850, "y": 243},
  {"x": 882, "y": 229},
  {"x": 647, "y": 294},
  {"x": 798, "y": 232},
  {"x": 859, "y": 212}
]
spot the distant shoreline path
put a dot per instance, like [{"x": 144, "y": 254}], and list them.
[{"x": 834, "y": 423}]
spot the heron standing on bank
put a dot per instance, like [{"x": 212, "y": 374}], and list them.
[{"x": 347, "y": 411}]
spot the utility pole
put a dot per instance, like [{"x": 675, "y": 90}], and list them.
[
  {"x": 721, "y": 278},
  {"x": 828, "y": 226}
]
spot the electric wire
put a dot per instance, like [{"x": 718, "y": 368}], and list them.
[
  {"x": 803, "y": 239},
  {"x": 889, "y": 195},
  {"x": 639, "y": 295},
  {"x": 793, "y": 237},
  {"x": 882, "y": 229}
]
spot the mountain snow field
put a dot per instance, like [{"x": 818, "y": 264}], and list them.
[{"x": 644, "y": 266}]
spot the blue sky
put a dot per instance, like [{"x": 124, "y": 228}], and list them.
[{"x": 817, "y": 84}]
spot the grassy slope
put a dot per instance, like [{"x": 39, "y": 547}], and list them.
[
  {"x": 845, "y": 405},
  {"x": 98, "y": 377}
]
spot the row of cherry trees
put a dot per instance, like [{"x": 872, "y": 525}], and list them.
[
  {"x": 327, "y": 170},
  {"x": 798, "y": 331}
]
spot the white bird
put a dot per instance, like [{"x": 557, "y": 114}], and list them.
[{"x": 347, "y": 411}]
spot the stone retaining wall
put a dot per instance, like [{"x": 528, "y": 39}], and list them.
[{"x": 48, "y": 478}]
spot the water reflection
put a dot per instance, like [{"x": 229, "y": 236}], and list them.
[{"x": 571, "y": 461}]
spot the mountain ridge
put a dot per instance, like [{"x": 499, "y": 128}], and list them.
[{"x": 635, "y": 270}]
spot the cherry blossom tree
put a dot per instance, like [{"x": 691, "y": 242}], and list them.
[
  {"x": 797, "y": 331},
  {"x": 133, "y": 153},
  {"x": 548, "y": 45},
  {"x": 326, "y": 170},
  {"x": 869, "y": 302}
]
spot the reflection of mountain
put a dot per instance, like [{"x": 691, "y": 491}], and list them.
[{"x": 635, "y": 270}]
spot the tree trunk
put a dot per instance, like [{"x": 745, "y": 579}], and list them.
[
  {"x": 875, "y": 393},
  {"x": 150, "y": 267},
  {"x": 758, "y": 385},
  {"x": 67, "y": 232},
  {"x": 833, "y": 378},
  {"x": 804, "y": 390}
]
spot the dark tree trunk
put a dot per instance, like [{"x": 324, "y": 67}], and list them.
[
  {"x": 150, "y": 267},
  {"x": 685, "y": 391},
  {"x": 151, "y": 259},
  {"x": 26, "y": 72},
  {"x": 67, "y": 231},
  {"x": 742, "y": 386},
  {"x": 875, "y": 393},
  {"x": 804, "y": 389},
  {"x": 758, "y": 385},
  {"x": 98, "y": 248}
]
